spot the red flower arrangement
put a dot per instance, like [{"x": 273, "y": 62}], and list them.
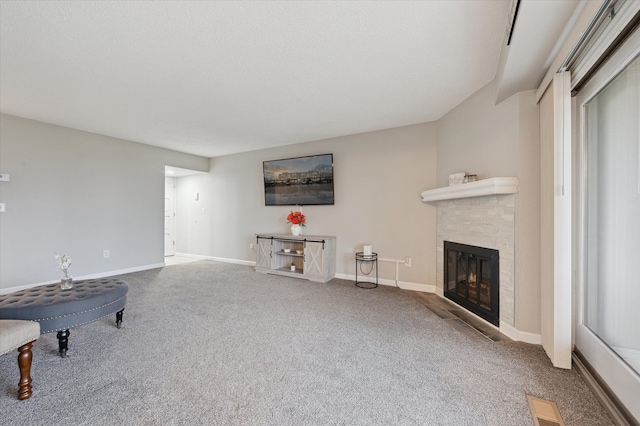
[{"x": 296, "y": 218}]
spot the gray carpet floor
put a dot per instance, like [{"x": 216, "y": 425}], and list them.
[{"x": 216, "y": 343}]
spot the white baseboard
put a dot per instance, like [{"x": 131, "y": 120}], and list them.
[
  {"x": 236, "y": 261},
  {"x": 403, "y": 285},
  {"x": 520, "y": 336},
  {"x": 194, "y": 256},
  {"x": 425, "y": 288},
  {"x": 219, "y": 259},
  {"x": 24, "y": 287},
  {"x": 86, "y": 277}
]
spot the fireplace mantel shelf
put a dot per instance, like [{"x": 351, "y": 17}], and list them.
[{"x": 493, "y": 186}]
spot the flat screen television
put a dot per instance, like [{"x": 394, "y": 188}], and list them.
[{"x": 301, "y": 181}]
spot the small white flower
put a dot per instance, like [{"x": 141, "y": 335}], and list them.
[{"x": 63, "y": 262}]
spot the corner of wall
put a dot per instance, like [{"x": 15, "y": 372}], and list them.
[{"x": 528, "y": 215}]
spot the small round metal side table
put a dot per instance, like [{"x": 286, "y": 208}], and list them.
[{"x": 371, "y": 259}]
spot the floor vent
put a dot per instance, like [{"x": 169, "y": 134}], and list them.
[{"x": 544, "y": 413}]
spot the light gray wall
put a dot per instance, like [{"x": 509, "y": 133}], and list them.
[
  {"x": 378, "y": 180},
  {"x": 479, "y": 137},
  {"x": 502, "y": 140},
  {"x": 527, "y": 295},
  {"x": 79, "y": 193},
  {"x": 547, "y": 226}
]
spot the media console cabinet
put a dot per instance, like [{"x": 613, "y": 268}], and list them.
[{"x": 313, "y": 256}]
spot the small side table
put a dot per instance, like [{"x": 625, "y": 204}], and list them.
[{"x": 361, "y": 259}]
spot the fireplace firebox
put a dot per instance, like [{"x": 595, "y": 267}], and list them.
[{"x": 472, "y": 279}]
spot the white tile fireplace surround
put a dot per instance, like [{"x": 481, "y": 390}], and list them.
[{"x": 480, "y": 214}]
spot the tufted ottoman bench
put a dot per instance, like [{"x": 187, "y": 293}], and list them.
[{"x": 59, "y": 310}]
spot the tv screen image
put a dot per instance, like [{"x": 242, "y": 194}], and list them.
[{"x": 302, "y": 181}]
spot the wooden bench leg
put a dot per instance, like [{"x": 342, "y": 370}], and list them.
[{"x": 24, "y": 363}]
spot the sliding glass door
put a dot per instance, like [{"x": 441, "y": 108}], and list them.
[{"x": 608, "y": 213}]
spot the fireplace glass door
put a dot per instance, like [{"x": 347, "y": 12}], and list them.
[{"x": 471, "y": 279}]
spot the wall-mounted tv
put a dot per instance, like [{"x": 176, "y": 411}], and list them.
[{"x": 302, "y": 181}]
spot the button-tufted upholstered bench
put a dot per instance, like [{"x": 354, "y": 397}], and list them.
[
  {"x": 16, "y": 334},
  {"x": 59, "y": 310}
]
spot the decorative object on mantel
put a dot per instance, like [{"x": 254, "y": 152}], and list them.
[
  {"x": 297, "y": 221},
  {"x": 64, "y": 262},
  {"x": 492, "y": 186},
  {"x": 457, "y": 178},
  {"x": 470, "y": 178}
]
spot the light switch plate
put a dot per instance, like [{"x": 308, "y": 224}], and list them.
[
  {"x": 3, "y": 207},
  {"x": 5, "y": 177}
]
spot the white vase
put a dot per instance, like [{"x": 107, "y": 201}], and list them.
[{"x": 296, "y": 229}]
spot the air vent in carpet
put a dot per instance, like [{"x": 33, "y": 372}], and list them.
[{"x": 544, "y": 413}]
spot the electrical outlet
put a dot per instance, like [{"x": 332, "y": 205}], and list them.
[
  {"x": 407, "y": 261},
  {"x": 105, "y": 254},
  {"x": 3, "y": 207},
  {"x": 251, "y": 247}
]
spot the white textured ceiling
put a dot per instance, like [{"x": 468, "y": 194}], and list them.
[{"x": 215, "y": 78}]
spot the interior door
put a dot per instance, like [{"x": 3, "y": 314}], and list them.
[
  {"x": 608, "y": 217},
  {"x": 169, "y": 216}
]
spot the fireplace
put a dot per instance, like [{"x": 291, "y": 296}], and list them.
[{"x": 471, "y": 279}]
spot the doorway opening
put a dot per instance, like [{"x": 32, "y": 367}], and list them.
[{"x": 174, "y": 210}]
